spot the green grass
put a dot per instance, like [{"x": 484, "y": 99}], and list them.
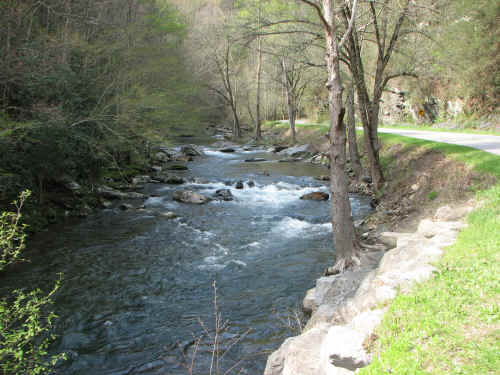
[
  {"x": 451, "y": 323},
  {"x": 477, "y": 159}
]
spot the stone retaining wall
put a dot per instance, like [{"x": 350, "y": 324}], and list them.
[{"x": 347, "y": 308}]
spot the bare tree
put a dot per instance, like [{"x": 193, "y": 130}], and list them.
[
  {"x": 344, "y": 235},
  {"x": 385, "y": 23}
]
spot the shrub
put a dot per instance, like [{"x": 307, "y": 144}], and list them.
[{"x": 25, "y": 321}]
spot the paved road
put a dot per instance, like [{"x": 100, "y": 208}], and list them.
[{"x": 488, "y": 143}]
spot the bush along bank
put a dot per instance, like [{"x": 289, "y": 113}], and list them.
[
  {"x": 73, "y": 177},
  {"x": 344, "y": 332}
]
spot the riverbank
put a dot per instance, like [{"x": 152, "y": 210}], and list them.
[{"x": 421, "y": 176}]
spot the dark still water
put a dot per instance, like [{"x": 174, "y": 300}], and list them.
[{"x": 136, "y": 284}]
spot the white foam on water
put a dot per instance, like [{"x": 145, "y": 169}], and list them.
[
  {"x": 202, "y": 235},
  {"x": 225, "y": 155},
  {"x": 237, "y": 262},
  {"x": 292, "y": 228},
  {"x": 211, "y": 267},
  {"x": 278, "y": 194},
  {"x": 212, "y": 263},
  {"x": 251, "y": 245},
  {"x": 154, "y": 201}
]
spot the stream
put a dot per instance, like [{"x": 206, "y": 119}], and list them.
[{"x": 136, "y": 285}]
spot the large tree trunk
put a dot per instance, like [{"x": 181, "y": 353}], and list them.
[
  {"x": 344, "y": 236},
  {"x": 351, "y": 131}
]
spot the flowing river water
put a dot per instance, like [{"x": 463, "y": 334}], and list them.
[{"x": 136, "y": 285}]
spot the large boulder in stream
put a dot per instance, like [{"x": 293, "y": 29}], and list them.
[
  {"x": 297, "y": 151},
  {"x": 189, "y": 196},
  {"x": 316, "y": 196}
]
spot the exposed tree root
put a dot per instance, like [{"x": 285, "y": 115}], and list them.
[{"x": 344, "y": 264}]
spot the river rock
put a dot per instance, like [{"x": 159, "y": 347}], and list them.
[
  {"x": 188, "y": 196},
  {"x": 296, "y": 151},
  {"x": 299, "y": 355},
  {"x": 366, "y": 179},
  {"x": 140, "y": 180},
  {"x": 343, "y": 348},
  {"x": 191, "y": 150},
  {"x": 161, "y": 157},
  {"x": 429, "y": 228},
  {"x": 156, "y": 168},
  {"x": 177, "y": 167},
  {"x": 170, "y": 179},
  {"x": 316, "y": 196},
  {"x": 239, "y": 185},
  {"x": 125, "y": 206},
  {"x": 309, "y": 302},
  {"x": 224, "y": 194},
  {"x": 110, "y": 193},
  {"x": 169, "y": 215},
  {"x": 278, "y": 148},
  {"x": 105, "y": 203},
  {"x": 389, "y": 240},
  {"x": 227, "y": 150},
  {"x": 74, "y": 186},
  {"x": 323, "y": 178},
  {"x": 254, "y": 160},
  {"x": 446, "y": 213},
  {"x": 251, "y": 184}
]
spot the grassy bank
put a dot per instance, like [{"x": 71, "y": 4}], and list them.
[{"x": 450, "y": 324}]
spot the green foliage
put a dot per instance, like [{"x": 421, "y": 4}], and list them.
[
  {"x": 432, "y": 195},
  {"x": 84, "y": 85},
  {"x": 25, "y": 333},
  {"x": 12, "y": 236},
  {"x": 25, "y": 320}
]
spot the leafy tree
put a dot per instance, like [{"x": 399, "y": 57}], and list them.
[{"x": 25, "y": 321}]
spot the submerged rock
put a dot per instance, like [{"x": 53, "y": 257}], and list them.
[
  {"x": 239, "y": 185},
  {"x": 188, "y": 196},
  {"x": 254, "y": 160},
  {"x": 316, "y": 196}
]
